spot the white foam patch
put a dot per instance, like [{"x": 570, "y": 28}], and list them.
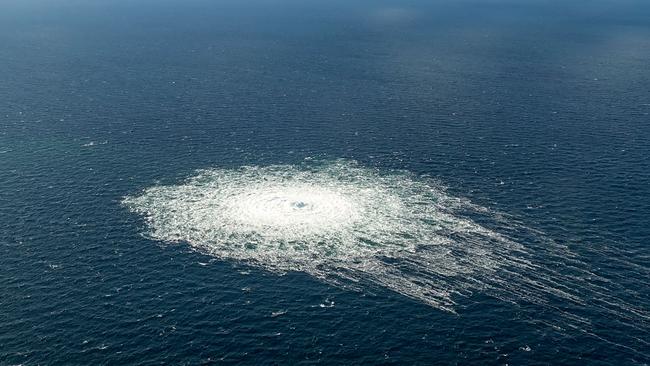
[
  {"x": 358, "y": 227},
  {"x": 334, "y": 220}
]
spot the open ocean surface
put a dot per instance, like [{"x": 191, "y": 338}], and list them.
[{"x": 473, "y": 182}]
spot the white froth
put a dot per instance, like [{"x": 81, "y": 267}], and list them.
[
  {"x": 357, "y": 227},
  {"x": 337, "y": 221},
  {"x": 292, "y": 210}
]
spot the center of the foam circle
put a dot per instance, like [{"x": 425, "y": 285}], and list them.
[{"x": 298, "y": 204}]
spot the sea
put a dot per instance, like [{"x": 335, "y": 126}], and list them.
[{"x": 299, "y": 182}]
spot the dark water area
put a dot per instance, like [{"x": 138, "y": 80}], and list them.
[{"x": 535, "y": 109}]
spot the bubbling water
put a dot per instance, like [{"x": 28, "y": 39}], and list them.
[
  {"x": 293, "y": 208},
  {"x": 338, "y": 221},
  {"x": 358, "y": 227}
]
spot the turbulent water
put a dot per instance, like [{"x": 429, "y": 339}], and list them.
[
  {"x": 333, "y": 220},
  {"x": 425, "y": 182},
  {"x": 354, "y": 227}
]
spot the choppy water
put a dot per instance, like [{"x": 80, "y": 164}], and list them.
[{"x": 285, "y": 182}]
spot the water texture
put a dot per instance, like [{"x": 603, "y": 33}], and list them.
[{"x": 284, "y": 182}]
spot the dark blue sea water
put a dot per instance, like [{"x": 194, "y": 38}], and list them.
[{"x": 537, "y": 111}]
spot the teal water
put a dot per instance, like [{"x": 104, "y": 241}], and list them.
[{"x": 526, "y": 120}]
